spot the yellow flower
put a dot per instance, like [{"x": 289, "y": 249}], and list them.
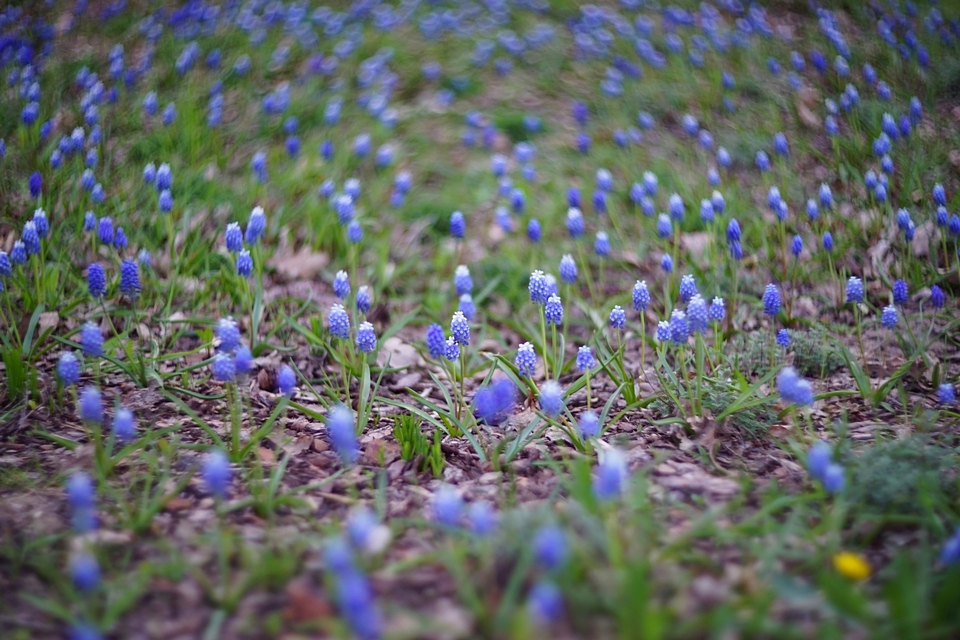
[{"x": 851, "y": 565}]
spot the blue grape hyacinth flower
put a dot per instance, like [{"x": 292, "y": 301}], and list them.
[
  {"x": 68, "y": 369},
  {"x": 90, "y": 405},
  {"x": 342, "y": 432},
  {"x": 550, "y": 547},
  {"x": 641, "y": 296},
  {"x": 771, "y": 300},
  {"x": 585, "y": 359},
  {"x": 553, "y": 310},
  {"x": 216, "y": 473},
  {"x": 854, "y": 290},
  {"x": 551, "y": 398},
  {"x": 526, "y": 360},
  {"x": 493, "y": 403},
  {"x": 366, "y": 338}
]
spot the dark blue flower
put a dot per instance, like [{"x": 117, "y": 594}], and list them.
[
  {"x": 256, "y": 226},
  {"x": 244, "y": 263},
  {"x": 763, "y": 161},
  {"x": 854, "y": 290},
  {"x": 35, "y": 184},
  {"x": 341, "y": 285},
  {"x": 946, "y": 393},
  {"x": 436, "y": 342},
  {"x": 19, "y": 252},
  {"x": 457, "y": 225},
  {"x": 366, "y": 338},
  {"x": 641, "y": 296},
  {"x": 68, "y": 369},
  {"x": 666, "y": 263},
  {"x": 234, "y": 237},
  {"x": 617, "y": 319},
  {"x": 526, "y": 360},
  {"x": 533, "y": 230},
  {"x": 937, "y": 297},
  {"x": 585, "y": 359},
  {"x": 697, "y": 314},
  {"x": 796, "y": 246},
  {"x": 900, "y": 292},
  {"x": 783, "y": 338},
  {"x": 888, "y": 316},
  {"x": 664, "y": 226},
  {"x": 90, "y": 405},
  {"x": 91, "y": 340},
  {"x": 339, "y": 322},
  {"x": 30, "y": 238},
  {"x": 129, "y": 278},
  {"x": 120, "y": 239},
  {"x": 688, "y": 287},
  {"x": 771, "y": 300},
  {"x": 460, "y": 328},
  {"x": 105, "y": 230},
  {"x": 568, "y": 269},
  {"x": 553, "y": 310}
]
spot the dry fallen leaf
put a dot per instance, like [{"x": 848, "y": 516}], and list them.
[
  {"x": 304, "y": 603},
  {"x": 301, "y": 264}
]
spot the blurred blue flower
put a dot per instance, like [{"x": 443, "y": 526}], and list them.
[
  {"x": 937, "y": 297},
  {"x": 550, "y": 547},
  {"x": 568, "y": 269},
  {"x": 457, "y": 225},
  {"x": 793, "y": 388},
  {"x": 124, "y": 425},
  {"x": 610, "y": 475},
  {"x": 244, "y": 264},
  {"x": 447, "y": 506},
  {"x": 545, "y": 602},
  {"x": 666, "y": 263},
  {"x": 342, "y": 432},
  {"x": 216, "y": 473},
  {"x": 493, "y": 403},
  {"x": 85, "y": 571},
  {"x": 90, "y": 405}
]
